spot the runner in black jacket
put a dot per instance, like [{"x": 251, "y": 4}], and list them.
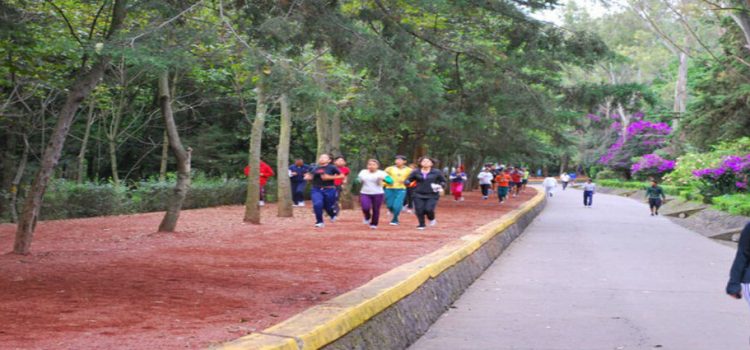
[
  {"x": 739, "y": 276},
  {"x": 430, "y": 183}
]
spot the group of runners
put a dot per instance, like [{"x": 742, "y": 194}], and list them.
[{"x": 401, "y": 187}]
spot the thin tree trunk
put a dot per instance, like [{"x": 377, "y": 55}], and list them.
[
  {"x": 78, "y": 93},
  {"x": 322, "y": 118},
  {"x": 81, "y": 174},
  {"x": 284, "y": 188},
  {"x": 742, "y": 19},
  {"x": 183, "y": 155},
  {"x": 252, "y": 208},
  {"x": 17, "y": 181},
  {"x": 112, "y": 148},
  {"x": 335, "y": 134},
  {"x": 680, "y": 91},
  {"x": 164, "y": 157}
]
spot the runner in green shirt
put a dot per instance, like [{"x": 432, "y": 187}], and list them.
[{"x": 655, "y": 195}]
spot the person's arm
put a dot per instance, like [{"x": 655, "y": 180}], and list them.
[
  {"x": 336, "y": 175},
  {"x": 440, "y": 179},
  {"x": 740, "y": 264}
]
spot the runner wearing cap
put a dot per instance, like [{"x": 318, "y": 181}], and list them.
[{"x": 395, "y": 192}]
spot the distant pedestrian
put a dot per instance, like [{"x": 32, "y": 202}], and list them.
[
  {"x": 485, "y": 181},
  {"x": 739, "y": 275},
  {"x": 429, "y": 186},
  {"x": 588, "y": 193},
  {"x": 524, "y": 179},
  {"x": 371, "y": 195},
  {"x": 297, "y": 173},
  {"x": 655, "y": 195},
  {"x": 458, "y": 178},
  {"x": 565, "y": 179},
  {"x": 516, "y": 177},
  {"x": 502, "y": 181},
  {"x": 549, "y": 184},
  {"x": 265, "y": 173}
]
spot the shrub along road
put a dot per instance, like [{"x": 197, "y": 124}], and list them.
[{"x": 610, "y": 277}]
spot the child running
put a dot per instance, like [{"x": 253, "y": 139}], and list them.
[
  {"x": 458, "y": 177},
  {"x": 502, "y": 180},
  {"x": 485, "y": 181},
  {"x": 297, "y": 173},
  {"x": 323, "y": 191},
  {"x": 371, "y": 195},
  {"x": 395, "y": 192},
  {"x": 430, "y": 184},
  {"x": 340, "y": 163},
  {"x": 265, "y": 173}
]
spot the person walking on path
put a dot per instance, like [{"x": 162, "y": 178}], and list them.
[
  {"x": 323, "y": 191},
  {"x": 565, "y": 179},
  {"x": 371, "y": 195},
  {"x": 395, "y": 192},
  {"x": 588, "y": 193},
  {"x": 655, "y": 195},
  {"x": 502, "y": 180},
  {"x": 340, "y": 163},
  {"x": 265, "y": 173},
  {"x": 458, "y": 178},
  {"x": 485, "y": 181},
  {"x": 430, "y": 183},
  {"x": 516, "y": 177},
  {"x": 739, "y": 275},
  {"x": 549, "y": 184},
  {"x": 297, "y": 173},
  {"x": 524, "y": 179}
]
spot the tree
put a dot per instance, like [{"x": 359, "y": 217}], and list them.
[{"x": 284, "y": 184}]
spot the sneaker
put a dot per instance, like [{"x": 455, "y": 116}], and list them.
[
  {"x": 372, "y": 227},
  {"x": 652, "y": 214},
  {"x": 433, "y": 222},
  {"x": 261, "y": 203},
  {"x": 333, "y": 218},
  {"x": 657, "y": 213},
  {"x": 484, "y": 197},
  {"x": 301, "y": 204},
  {"x": 366, "y": 222},
  {"x": 462, "y": 199},
  {"x": 320, "y": 225},
  {"x": 409, "y": 211},
  {"x": 393, "y": 223},
  {"x": 421, "y": 228}
]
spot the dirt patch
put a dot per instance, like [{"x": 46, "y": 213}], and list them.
[{"x": 112, "y": 282}]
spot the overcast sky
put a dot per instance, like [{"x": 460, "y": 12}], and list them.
[{"x": 594, "y": 8}]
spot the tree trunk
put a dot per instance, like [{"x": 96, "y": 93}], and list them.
[
  {"x": 81, "y": 174},
  {"x": 335, "y": 134},
  {"x": 164, "y": 157},
  {"x": 742, "y": 18},
  {"x": 17, "y": 181},
  {"x": 112, "y": 148},
  {"x": 252, "y": 208},
  {"x": 563, "y": 163},
  {"x": 284, "y": 188},
  {"x": 322, "y": 118},
  {"x": 78, "y": 92},
  {"x": 183, "y": 155},
  {"x": 680, "y": 90},
  {"x": 347, "y": 202}
]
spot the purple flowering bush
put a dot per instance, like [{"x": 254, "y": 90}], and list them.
[
  {"x": 641, "y": 137},
  {"x": 651, "y": 166},
  {"x": 731, "y": 176}
]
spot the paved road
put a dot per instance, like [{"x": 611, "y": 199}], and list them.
[{"x": 609, "y": 277}]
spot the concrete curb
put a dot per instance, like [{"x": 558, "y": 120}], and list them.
[{"x": 396, "y": 308}]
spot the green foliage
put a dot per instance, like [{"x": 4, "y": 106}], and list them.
[
  {"x": 735, "y": 204},
  {"x": 608, "y": 174},
  {"x": 691, "y": 161}
]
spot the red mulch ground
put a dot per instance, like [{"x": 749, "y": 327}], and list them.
[{"x": 111, "y": 282}]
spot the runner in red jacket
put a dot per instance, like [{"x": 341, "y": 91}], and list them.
[{"x": 265, "y": 172}]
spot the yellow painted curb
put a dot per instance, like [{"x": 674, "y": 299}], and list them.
[{"x": 324, "y": 323}]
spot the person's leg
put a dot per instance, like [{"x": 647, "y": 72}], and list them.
[
  {"x": 590, "y": 198},
  {"x": 419, "y": 208},
  {"x": 330, "y": 196},
  {"x": 746, "y": 292},
  {"x": 389, "y": 200},
  {"x": 365, "y": 201},
  {"x": 430, "y": 206},
  {"x": 262, "y": 193},
  {"x": 658, "y": 205},
  {"x": 398, "y": 199},
  {"x": 454, "y": 190},
  {"x": 299, "y": 192},
  {"x": 377, "y": 202},
  {"x": 410, "y": 198},
  {"x": 318, "y": 201},
  {"x": 652, "y": 205}
]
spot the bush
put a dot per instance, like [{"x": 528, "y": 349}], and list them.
[
  {"x": 606, "y": 174},
  {"x": 65, "y": 199},
  {"x": 651, "y": 166},
  {"x": 735, "y": 204},
  {"x": 638, "y": 185},
  {"x": 687, "y": 163}
]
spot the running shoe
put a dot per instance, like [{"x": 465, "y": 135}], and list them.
[
  {"x": 372, "y": 227},
  {"x": 366, "y": 222},
  {"x": 261, "y": 203},
  {"x": 320, "y": 225},
  {"x": 394, "y": 223},
  {"x": 333, "y": 218},
  {"x": 433, "y": 222},
  {"x": 421, "y": 228}
]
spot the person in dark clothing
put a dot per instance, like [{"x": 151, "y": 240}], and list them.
[
  {"x": 409, "y": 200},
  {"x": 297, "y": 173},
  {"x": 430, "y": 183},
  {"x": 739, "y": 275},
  {"x": 655, "y": 195},
  {"x": 323, "y": 191}
]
